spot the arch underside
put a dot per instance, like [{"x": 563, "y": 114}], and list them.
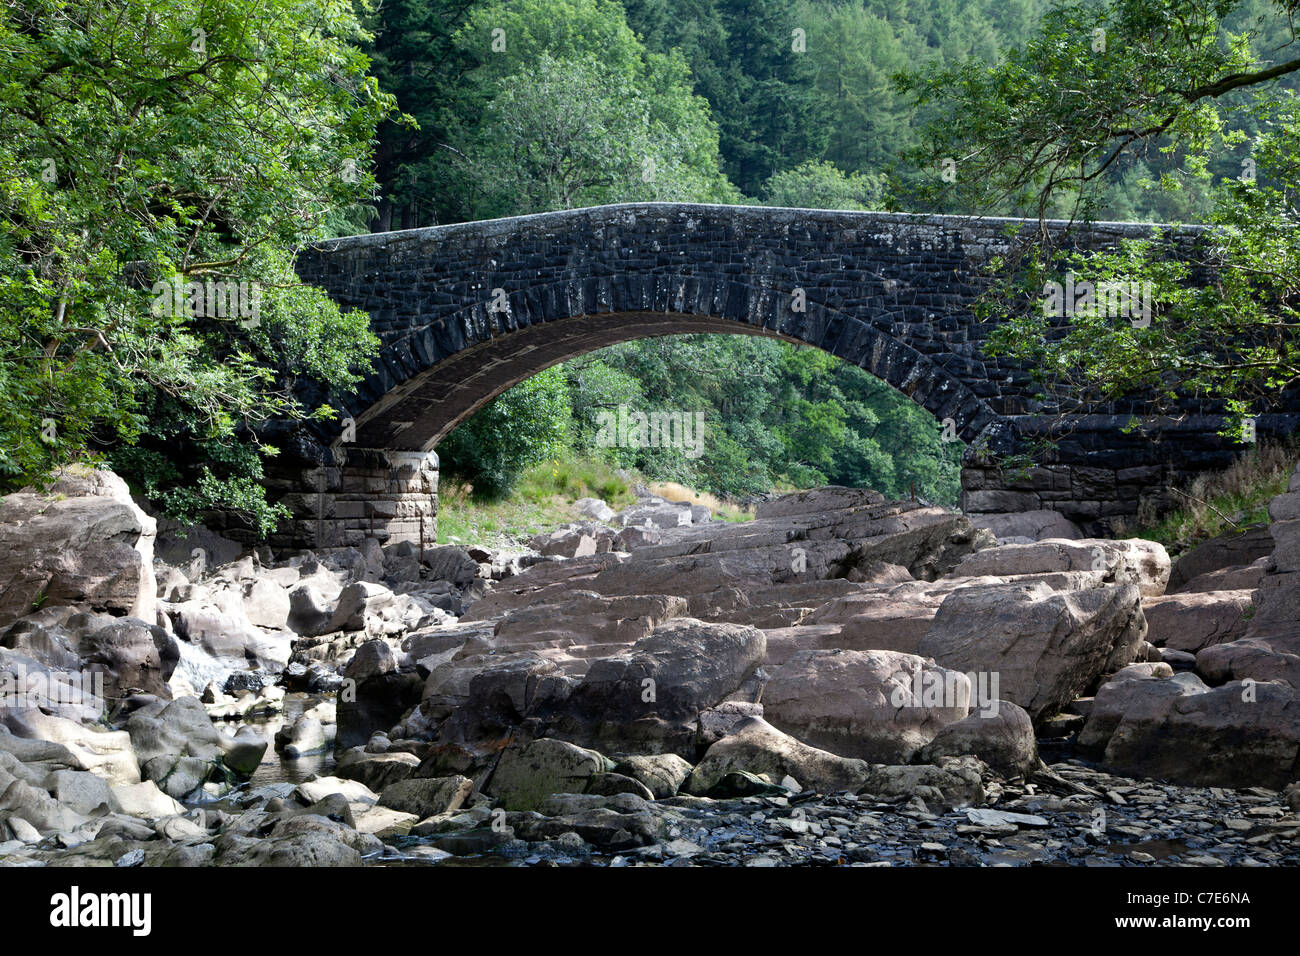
[{"x": 417, "y": 413}]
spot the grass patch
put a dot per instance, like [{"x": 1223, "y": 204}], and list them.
[
  {"x": 1225, "y": 501},
  {"x": 723, "y": 510},
  {"x": 543, "y": 499}
]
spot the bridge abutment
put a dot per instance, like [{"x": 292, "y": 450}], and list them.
[
  {"x": 1106, "y": 473},
  {"x": 388, "y": 495}
]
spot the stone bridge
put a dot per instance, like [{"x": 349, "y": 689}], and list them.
[{"x": 466, "y": 311}]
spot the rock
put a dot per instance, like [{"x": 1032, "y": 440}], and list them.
[
  {"x": 888, "y": 620},
  {"x": 372, "y": 659},
  {"x": 314, "y": 791},
  {"x": 684, "y": 667},
  {"x": 595, "y": 509},
  {"x": 20, "y": 800},
  {"x": 217, "y": 624},
  {"x": 451, "y": 564},
  {"x": 499, "y": 697},
  {"x": 1192, "y": 621},
  {"x": 982, "y": 817},
  {"x": 179, "y": 748},
  {"x": 1241, "y": 577},
  {"x": 1177, "y": 729},
  {"x": 611, "y": 784},
  {"x": 1046, "y": 647},
  {"x": 1133, "y": 561},
  {"x": 1269, "y": 650},
  {"x": 82, "y": 792},
  {"x": 22, "y": 831},
  {"x": 1002, "y": 737},
  {"x": 267, "y": 604},
  {"x": 755, "y": 746},
  {"x": 954, "y": 783},
  {"x": 570, "y": 543},
  {"x": 1141, "y": 671},
  {"x": 427, "y": 797},
  {"x": 310, "y": 840},
  {"x": 1028, "y": 525},
  {"x": 633, "y": 537},
  {"x": 530, "y": 771},
  {"x": 176, "y": 546},
  {"x": 662, "y": 774},
  {"x": 818, "y": 500},
  {"x": 132, "y": 656},
  {"x": 81, "y": 542},
  {"x": 357, "y": 603},
  {"x": 376, "y": 771},
  {"x": 145, "y": 800},
  {"x": 377, "y": 703},
  {"x": 879, "y": 706},
  {"x": 660, "y": 516},
  {"x": 1234, "y": 549},
  {"x": 309, "y": 611},
  {"x": 244, "y": 752},
  {"x": 306, "y": 735},
  {"x": 33, "y": 736}
]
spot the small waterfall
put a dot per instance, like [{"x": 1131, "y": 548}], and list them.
[{"x": 199, "y": 667}]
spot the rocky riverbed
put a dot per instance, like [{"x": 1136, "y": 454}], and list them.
[{"x": 844, "y": 680}]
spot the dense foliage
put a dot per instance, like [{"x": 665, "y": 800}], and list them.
[
  {"x": 773, "y": 415},
  {"x": 1101, "y": 85},
  {"x": 163, "y": 159},
  {"x": 157, "y": 169}
]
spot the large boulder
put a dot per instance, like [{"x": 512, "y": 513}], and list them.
[
  {"x": 661, "y": 774},
  {"x": 82, "y": 542},
  {"x": 879, "y": 706},
  {"x": 756, "y": 747},
  {"x": 1026, "y": 526},
  {"x": 216, "y": 623},
  {"x": 133, "y": 657},
  {"x": 428, "y": 796},
  {"x": 36, "y": 737},
  {"x": 1132, "y": 561},
  {"x": 1044, "y": 647},
  {"x": 1235, "y": 549},
  {"x": 1192, "y": 621},
  {"x": 954, "y": 783},
  {"x": 530, "y": 771},
  {"x": 180, "y": 749},
  {"x": 376, "y": 771},
  {"x": 1002, "y": 736},
  {"x": 662, "y": 683},
  {"x": 1239, "y": 735},
  {"x": 500, "y": 696}
]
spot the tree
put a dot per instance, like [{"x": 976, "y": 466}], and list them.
[
  {"x": 578, "y": 134},
  {"x": 821, "y": 185},
  {"x": 416, "y": 59},
  {"x": 159, "y": 169},
  {"x": 1044, "y": 130},
  {"x": 528, "y": 424}
]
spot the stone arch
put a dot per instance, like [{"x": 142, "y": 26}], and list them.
[{"x": 482, "y": 354}]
